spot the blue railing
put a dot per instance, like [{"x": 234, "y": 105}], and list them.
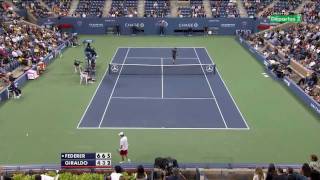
[{"x": 49, "y": 167}]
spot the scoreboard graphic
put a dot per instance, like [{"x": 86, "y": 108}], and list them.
[{"x": 86, "y": 160}]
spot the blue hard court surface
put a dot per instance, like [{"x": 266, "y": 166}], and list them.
[{"x": 162, "y": 101}]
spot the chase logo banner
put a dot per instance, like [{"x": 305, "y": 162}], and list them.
[
  {"x": 188, "y": 25},
  {"x": 228, "y": 25},
  {"x": 139, "y": 25},
  {"x": 97, "y": 25}
]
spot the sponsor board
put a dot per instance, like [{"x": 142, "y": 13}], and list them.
[
  {"x": 95, "y": 25},
  {"x": 188, "y": 25},
  {"x": 228, "y": 25},
  {"x": 138, "y": 24}
]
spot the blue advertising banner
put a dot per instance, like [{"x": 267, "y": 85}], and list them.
[{"x": 151, "y": 26}]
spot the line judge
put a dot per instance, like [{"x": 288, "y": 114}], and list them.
[{"x": 123, "y": 150}]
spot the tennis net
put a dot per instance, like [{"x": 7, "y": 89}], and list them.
[{"x": 175, "y": 69}]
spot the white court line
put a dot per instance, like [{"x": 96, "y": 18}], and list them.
[
  {"x": 115, "y": 84},
  {"x": 157, "y": 65},
  {"x": 244, "y": 120},
  {"x": 163, "y": 47},
  {"x": 107, "y": 69},
  {"x": 162, "y": 78},
  {"x": 164, "y": 98},
  {"x": 211, "y": 89},
  {"x": 162, "y": 128},
  {"x": 160, "y": 58}
]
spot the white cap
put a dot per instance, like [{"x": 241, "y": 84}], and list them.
[{"x": 121, "y": 134}]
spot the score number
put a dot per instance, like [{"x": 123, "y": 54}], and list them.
[
  {"x": 103, "y": 155},
  {"x": 103, "y": 159},
  {"x": 103, "y": 162}
]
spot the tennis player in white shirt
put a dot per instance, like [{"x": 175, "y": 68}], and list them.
[{"x": 123, "y": 147}]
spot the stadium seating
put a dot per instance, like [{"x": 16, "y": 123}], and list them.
[
  {"x": 37, "y": 9},
  {"x": 184, "y": 12},
  {"x": 223, "y": 8},
  {"x": 59, "y": 7},
  {"x": 294, "y": 48},
  {"x": 155, "y": 8},
  {"x": 283, "y": 7},
  {"x": 24, "y": 44},
  {"x": 126, "y": 8},
  {"x": 311, "y": 12},
  {"x": 7, "y": 13},
  {"x": 197, "y": 9},
  {"x": 253, "y": 7},
  {"x": 87, "y": 8}
]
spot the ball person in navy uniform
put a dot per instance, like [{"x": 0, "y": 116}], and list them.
[
  {"x": 174, "y": 55},
  {"x": 123, "y": 150}
]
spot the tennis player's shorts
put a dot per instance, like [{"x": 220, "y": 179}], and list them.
[{"x": 124, "y": 152}]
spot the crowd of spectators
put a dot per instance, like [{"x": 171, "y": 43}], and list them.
[
  {"x": 221, "y": 8},
  {"x": 119, "y": 174},
  {"x": 25, "y": 44},
  {"x": 126, "y": 8},
  {"x": 308, "y": 171},
  {"x": 161, "y": 8},
  {"x": 184, "y": 12},
  {"x": 87, "y": 8},
  {"x": 37, "y": 9},
  {"x": 141, "y": 174},
  {"x": 7, "y": 13},
  {"x": 253, "y": 7},
  {"x": 283, "y": 7},
  {"x": 59, "y": 7},
  {"x": 311, "y": 12},
  {"x": 299, "y": 43},
  {"x": 197, "y": 9},
  {"x": 157, "y": 8}
]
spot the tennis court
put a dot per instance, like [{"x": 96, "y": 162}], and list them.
[{"x": 143, "y": 89}]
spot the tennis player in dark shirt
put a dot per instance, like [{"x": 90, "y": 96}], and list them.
[{"x": 174, "y": 55}]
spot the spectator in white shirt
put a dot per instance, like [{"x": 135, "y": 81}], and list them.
[
  {"x": 314, "y": 163},
  {"x": 116, "y": 174}
]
